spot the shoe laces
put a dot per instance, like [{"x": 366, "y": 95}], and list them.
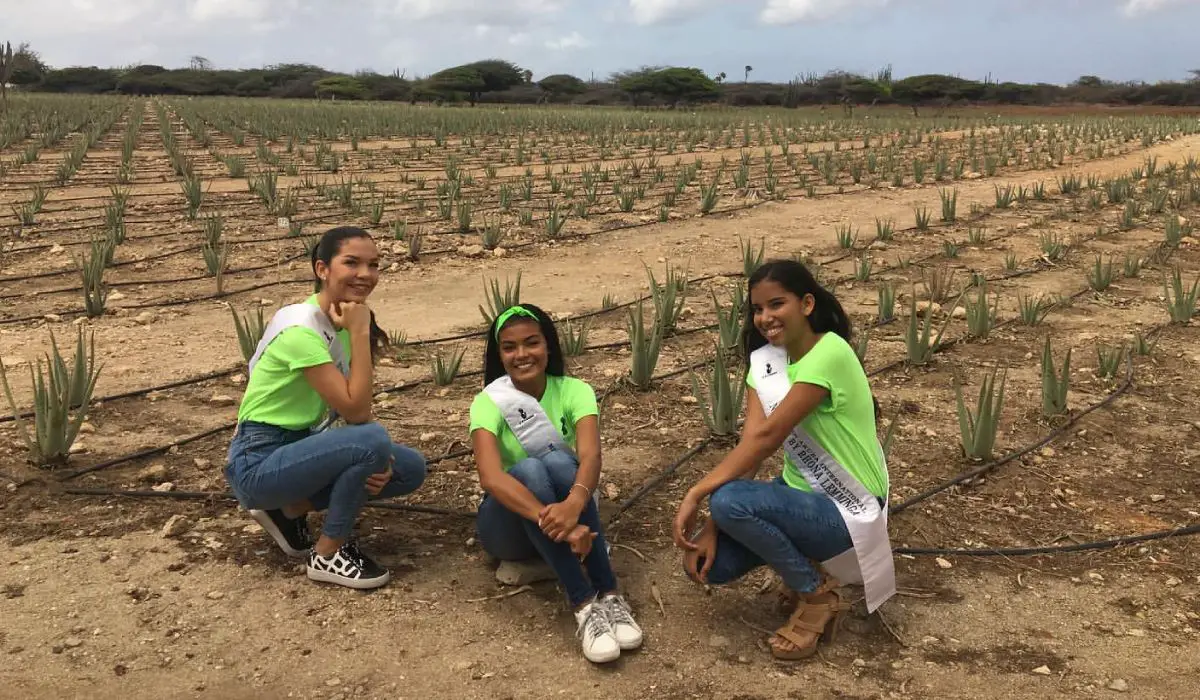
[
  {"x": 596, "y": 623},
  {"x": 351, "y": 551},
  {"x": 618, "y": 613}
]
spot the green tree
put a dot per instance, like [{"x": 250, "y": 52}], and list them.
[
  {"x": 340, "y": 87},
  {"x": 456, "y": 83},
  {"x": 673, "y": 85},
  {"x": 561, "y": 85}
]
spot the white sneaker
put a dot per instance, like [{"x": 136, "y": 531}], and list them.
[
  {"x": 599, "y": 644},
  {"x": 620, "y": 616}
]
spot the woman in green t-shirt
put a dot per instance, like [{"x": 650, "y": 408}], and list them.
[
  {"x": 536, "y": 438},
  {"x": 809, "y": 394},
  {"x": 284, "y": 460}
]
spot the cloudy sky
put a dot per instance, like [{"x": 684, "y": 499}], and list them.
[{"x": 1022, "y": 40}]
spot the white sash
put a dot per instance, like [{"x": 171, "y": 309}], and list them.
[
  {"x": 309, "y": 316},
  {"x": 526, "y": 418},
  {"x": 528, "y": 421},
  {"x": 870, "y": 560}
]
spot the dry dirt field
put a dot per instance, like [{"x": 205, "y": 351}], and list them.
[{"x": 98, "y": 601}]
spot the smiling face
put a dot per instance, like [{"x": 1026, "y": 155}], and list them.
[
  {"x": 523, "y": 350},
  {"x": 780, "y": 315},
  {"x": 353, "y": 272}
]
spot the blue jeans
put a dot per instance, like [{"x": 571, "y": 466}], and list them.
[
  {"x": 270, "y": 467},
  {"x": 771, "y": 523},
  {"x": 510, "y": 537}
]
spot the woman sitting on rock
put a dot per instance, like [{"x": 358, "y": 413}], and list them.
[{"x": 536, "y": 438}]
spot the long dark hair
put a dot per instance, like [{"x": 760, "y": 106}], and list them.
[
  {"x": 325, "y": 249},
  {"x": 828, "y": 316},
  {"x": 493, "y": 368}
]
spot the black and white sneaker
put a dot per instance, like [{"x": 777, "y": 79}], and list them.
[
  {"x": 291, "y": 534},
  {"x": 347, "y": 567}
]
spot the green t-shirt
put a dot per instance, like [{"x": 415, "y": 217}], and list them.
[
  {"x": 277, "y": 392},
  {"x": 565, "y": 401},
  {"x": 844, "y": 422}
]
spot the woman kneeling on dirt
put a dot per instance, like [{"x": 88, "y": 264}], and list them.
[
  {"x": 824, "y": 521},
  {"x": 536, "y": 437},
  {"x": 285, "y": 460}
]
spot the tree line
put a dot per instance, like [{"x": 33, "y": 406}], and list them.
[{"x": 500, "y": 81}]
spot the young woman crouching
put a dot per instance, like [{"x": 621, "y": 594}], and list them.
[
  {"x": 825, "y": 518},
  {"x": 285, "y": 461},
  {"x": 536, "y": 437}
]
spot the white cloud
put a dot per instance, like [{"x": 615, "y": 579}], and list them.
[
  {"x": 1135, "y": 8},
  {"x": 647, "y": 12},
  {"x": 574, "y": 40},
  {"x": 794, "y": 11},
  {"x": 503, "y": 13}
]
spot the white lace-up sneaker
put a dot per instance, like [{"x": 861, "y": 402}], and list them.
[
  {"x": 620, "y": 616},
  {"x": 599, "y": 643}
]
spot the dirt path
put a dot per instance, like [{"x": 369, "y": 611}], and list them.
[{"x": 442, "y": 297}]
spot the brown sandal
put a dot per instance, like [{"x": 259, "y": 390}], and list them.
[{"x": 817, "y": 617}]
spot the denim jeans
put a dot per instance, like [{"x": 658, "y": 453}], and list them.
[
  {"x": 270, "y": 467},
  {"x": 771, "y": 523},
  {"x": 510, "y": 537}
]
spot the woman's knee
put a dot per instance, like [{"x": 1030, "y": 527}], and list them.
[
  {"x": 408, "y": 465},
  {"x": 534, "y": 475},
  {"x": 374, "y": 438},
  {"x": 728, "y": 502}
]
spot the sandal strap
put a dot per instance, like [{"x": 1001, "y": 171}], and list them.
[{"x": 798, "y": 640}]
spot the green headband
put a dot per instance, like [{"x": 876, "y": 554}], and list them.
[{"x": 513, "y": 311}]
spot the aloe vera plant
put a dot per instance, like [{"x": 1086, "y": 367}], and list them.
[
  {"x": 978, "y": 430},
  {"x": 1109, "y": 360},
  {"x": 644, "y": 346},
  {"x": 445, "y": 365},
  {"x": 1055, "y": 384},
  {"x": 918, "y": 342},
  {"x": 499, "y": 301},
  {"x": 1181, "y": 305},
  {"x": 249, "y": 330},
  {"x": 668, "y": 298},
  {"x": 722, "y": 404},
  {"x": 752, "y": 259},
  {"x": 56, "y": 390},
  {"x": 574, "y": 337},
  {"x": 980, "y": 317},
  {"x": 1100, "y": 274}
]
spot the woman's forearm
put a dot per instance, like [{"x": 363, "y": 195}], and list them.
[{"x": 359, "y": 385}]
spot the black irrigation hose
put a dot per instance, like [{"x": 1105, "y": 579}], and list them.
[
  {"x": 217, "y": 374},
  {"x": 1053, "y": 549},
  {"x": 227, "y": 496},
  {"x": 657, "y": 479},
  {"x": 147, "y": 283},
  {"x": 1012, "y": 456},
  {"x": 178, "y": 302},
  {"x": 166, "y": 304}
]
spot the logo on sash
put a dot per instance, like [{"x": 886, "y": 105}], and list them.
[
  {"x": 869, "y": 561},
  {"x": 523, "y": 414}
]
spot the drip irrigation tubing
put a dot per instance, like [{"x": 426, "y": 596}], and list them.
[
  {"x": 170, "y": 280},
  {"x": 214, "y": 496},
  {"x": 179, "y": 302},
  {"x": 402, "y": 387},
  {"x": 1053, "y": 549},
  {"x": 133, "y": 393}
]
